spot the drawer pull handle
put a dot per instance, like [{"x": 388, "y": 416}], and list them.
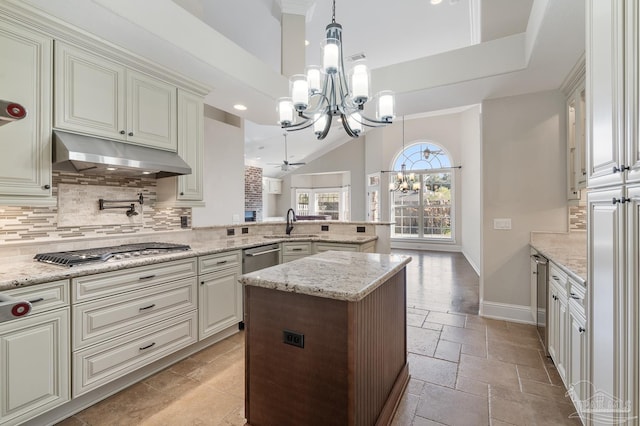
[
  {"x": 575, "y": 296},
  {"x": 296, "y": 249},
  {"x": 147, "y": 277},
  {"x": 581, "y": 329},
  {"x": 148, "y": 346},
  {"x": 555, "y": 277},
  {"x": 221, "y": 262},
  {"x": 148, "y": 307},
  {"x": 39, "y": 299}
]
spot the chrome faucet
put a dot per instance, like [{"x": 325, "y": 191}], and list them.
[{"x": 290, "y": 221}]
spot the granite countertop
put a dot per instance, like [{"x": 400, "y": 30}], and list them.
[
  {"x": 336, "y": 275},
  {"x": 21, "y": 270},
  {"x": 568, "y": 250}
]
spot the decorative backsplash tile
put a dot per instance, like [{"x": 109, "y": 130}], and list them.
[
  {"x": 578, "y": 218},
  {"x": 78, "y": 216}
]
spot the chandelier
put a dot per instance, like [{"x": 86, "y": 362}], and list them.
[
  {"x": 324, "y": 93},
  {"x": 404, "y": 182}
]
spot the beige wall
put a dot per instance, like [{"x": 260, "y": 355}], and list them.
[
  {"x": 523, "y": 178},
  {"x": 347, "y": 157},
  {"x": 471, "y": 186},
  {"x": 223, "y": 174}
]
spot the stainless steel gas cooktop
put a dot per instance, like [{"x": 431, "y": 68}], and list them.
[{"x": 101, "y": 254}]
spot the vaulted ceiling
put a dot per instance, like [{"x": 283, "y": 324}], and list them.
[{"x": 433, "y": 56}]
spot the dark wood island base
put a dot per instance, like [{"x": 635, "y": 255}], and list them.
[{"x": 320, "y": 361}]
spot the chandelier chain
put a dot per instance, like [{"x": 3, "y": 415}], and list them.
[{"x": 333, "y": 16}]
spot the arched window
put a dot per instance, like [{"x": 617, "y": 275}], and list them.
[{"x": 423, "y": 209}]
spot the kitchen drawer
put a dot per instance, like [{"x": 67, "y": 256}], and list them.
[
  {"x": 112, "y": 283},
  {"x": 105, "y": 362},
  {"x": 43, "y": 297},
  {"x": 557, "y": 275},
  {"x": 296, "y": 249},
  {"x": 320, "y": 247},
  {"x": 114, "y": 316},
  {"x": 220, "y": 261},
  {"x": 578, "y": 293}
]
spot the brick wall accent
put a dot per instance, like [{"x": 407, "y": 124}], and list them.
[{"x": 253, "y": 190}]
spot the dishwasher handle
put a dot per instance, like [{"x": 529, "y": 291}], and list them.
[
  {"x": 539, "y": 259},
  {"x": 260, "y": 253}
]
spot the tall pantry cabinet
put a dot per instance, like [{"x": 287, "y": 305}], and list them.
[{"x": 613, "y": 180}]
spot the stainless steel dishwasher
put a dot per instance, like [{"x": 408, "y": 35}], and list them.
[
  {"x": 257, "y": 258},
  {"x": 539, "y": 267}
]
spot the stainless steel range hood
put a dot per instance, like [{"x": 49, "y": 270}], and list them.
[{"x": 93, "y": 155}]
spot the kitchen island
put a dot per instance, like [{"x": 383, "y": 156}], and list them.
[{"x": 326, "y": 340}]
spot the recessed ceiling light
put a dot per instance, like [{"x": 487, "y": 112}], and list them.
[
  {"x": 436, "y": 1},
  {"x": 111, "y": 169},
  {"x": 258, "y": 158},
  {"x": 240, "y": 107},
  {"x": 146, "y": 173},
  {"x": 306, "y": 42}
]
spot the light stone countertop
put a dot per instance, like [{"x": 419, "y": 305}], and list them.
[
  {"x": 347, "y": 276},
  {"x": 568, "y": 250},
  {"x": 21, "y": 270}
]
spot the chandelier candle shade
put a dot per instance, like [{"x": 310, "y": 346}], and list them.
[{"x": 326, "y": 92}]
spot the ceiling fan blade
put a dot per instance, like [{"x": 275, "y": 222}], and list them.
[{"x": 296, "y": 164}]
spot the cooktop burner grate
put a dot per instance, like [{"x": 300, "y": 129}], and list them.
[{"x": 101, "y": 254}]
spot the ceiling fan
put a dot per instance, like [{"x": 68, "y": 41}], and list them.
[{"x": 286, "y": 166}]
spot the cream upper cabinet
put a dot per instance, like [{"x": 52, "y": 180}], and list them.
[
  {"x": 25, "y": 166},
  {"x": 190, "y": 144},
  {"x": 632, "y": 91},
  {"x": 605, "y": 92},
  {"x": 576, "y": 137},
  {"x": 97, "y": 96}
]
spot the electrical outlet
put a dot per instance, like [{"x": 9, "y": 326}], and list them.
[
  {"x": 184, "y": 221},
  {"x": 231, "y": 232},
  {"x": 361, "y": 229},
  {"x": 324, "y": 227},
  {"x": 293, "y": 338},
  {"x": 245, "y": 230}
]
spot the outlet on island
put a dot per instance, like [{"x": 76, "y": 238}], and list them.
[
  {"x": 184, "y": 221},
  {"x": 293, "y": 338}
]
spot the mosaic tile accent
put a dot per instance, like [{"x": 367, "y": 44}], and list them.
[
  {"x": 577, "y": 218},
  {"x": 77, "y": 216}
]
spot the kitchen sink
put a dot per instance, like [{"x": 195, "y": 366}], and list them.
[{"x": 291, "y": 236}]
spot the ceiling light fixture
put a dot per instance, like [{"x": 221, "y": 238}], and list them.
[
  {"x": 403, "y": 181},
  {"x": 324, "y": 93},
  {"x": 240, "y": 107}
]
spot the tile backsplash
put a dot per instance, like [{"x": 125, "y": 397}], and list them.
[
  {"x": 77, "y": 214},
  {"x": 578, "y": 218}
]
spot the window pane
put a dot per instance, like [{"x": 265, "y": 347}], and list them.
[
  {"x": 303, "y": 204},
  {"x": 405, "y": 219},
  {"x": 437, "y": 205},
  {"x": 328, "y": 203}
]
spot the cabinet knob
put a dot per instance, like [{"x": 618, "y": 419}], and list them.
[
  {"x": 620, "y": 200},
  {"x": 581, "y": 329},
  {"x": 621, "y": 169},
  {"x": 122, "y": 132},
  {"x": 130, "y": 133},
  {"x": 182, "y": 193},
  {"x": 46, "y": 186}
]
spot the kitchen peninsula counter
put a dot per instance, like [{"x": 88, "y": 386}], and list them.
[
  {"x": 326, "y": 340},
  {"x": 568, "y": 250}
]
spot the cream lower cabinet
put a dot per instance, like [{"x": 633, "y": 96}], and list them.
[
  {"x": 101, "y": 97},
  {"x": 293, "y": 251},
  {"x": 578, "y": 351},
  {"x": 126, "y": 319},
  {"x": 220, "y": 293},
  {"x": 34, "y": 355},
  {"x": 557, "y": 304},
  {"x": 25, "y": 163}
]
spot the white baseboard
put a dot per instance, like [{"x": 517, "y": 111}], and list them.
[
  {"x": 507, "y": 312},
  {"x": 473, "y": 265},
  {"x": 422, "y": 245}
]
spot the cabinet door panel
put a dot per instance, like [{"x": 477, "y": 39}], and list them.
[
  {"x": 152, "y": 112},
  {"x": 633, "y": 297},
  {"x": 25, "y": 78},
  {"x": 190, "y": 144},
  {"x": 90, "y": 93},
  {"x": 605, "y": 292},
  {"x": 632, "y": 89},
  {"x": 605, "y": 91},
  {"x": 34, "y": 365},
  {"x": 220, "y": 302}
]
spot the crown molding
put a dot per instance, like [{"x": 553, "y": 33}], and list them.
[{"x": 297, "y": 7}]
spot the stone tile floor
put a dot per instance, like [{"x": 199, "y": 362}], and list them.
[{"x": 465, "y": 369}]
